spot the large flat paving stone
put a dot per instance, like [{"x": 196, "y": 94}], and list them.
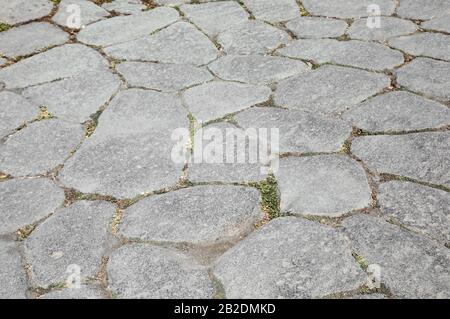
[
  {"x": 141, "y": 271},
  {"x": 329, "y": 89},
  {"x": 76, "y": 235},
  {"x": 422, "y": 156},
  {"x": 327, "y": 185},
  {"x": 124, "y": 6},
  {"x": 84, "y": 292},
  {"x": 15, "y": 110},
  {"x": 417, "y": 9},
  {"x": 389, "y": 27},
  {"x": 441, "y": 23},
  {"x": 289, "y": 258},
  {"x": 89, "y": 13},
  {"x": 317, "y": 27},
  {"x": 410, "y": 266},
  {"x": 429, "y": 44},
  {"x": 398, "y": 111},
  {"x": 268, "y": 10},
  {"x": 13, "y": 282},
  {"x": 18, "y": 11},
  {"x": 39, "y": 147},
  {"x": 347, "y": 8},
  {"x": 25, "y": 201}
]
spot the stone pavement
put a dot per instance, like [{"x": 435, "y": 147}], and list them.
[{"x": 92, "y": 205}]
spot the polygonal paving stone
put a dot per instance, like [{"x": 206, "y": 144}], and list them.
[
  {"x": 426, "y": 76},
  {"x": 18, "y": 11},
  {"x": 163, "y": 77},
  {"x": 13, "y": 282},
  {"x": 74, "y": 236},
  {"x": 179, "y": 43},
  {"x": 256, "y": 69},
  {"x": 216, "y": 99},
  {"x": 39, "y": 147},
  {"x": 88, "y": 13},
  {"x": 373, "y": 56},
  {"x": 328, "y": 185},
  {"x": 215, "y": 17},
  {"x": 429, "y": 44},
  {"x": 317, "y": 27},
  {"x": 410, "y": 266},
  {"x": 124, "y": 6},
  {"x": 268, "y": 10},
  {"x": 30, "y": 38},
  {"x": 347, "y": 8},
  {"x": 398, "y": 111},
  {"x": 422, "y": 156},
  {"x": 389, "y": 27},
  {"x": 418, "y": 9},
  {"x": 423, "y": 209},
  {"x": 73, "y": 99},
  {"x": 252, "y": 37},
  {"x": 141, "y": 271},
  {"x": 438, "y": 24},
  {"x": 84, "y": 292},
  {"x": 199, "y": 215},
  {"x": 25, "y": 201},
  {"x": 299, "y": 131},
  {"x": 14, "y": 112},
  {"x": 329, "y": 89},
  {"x": 289, "y": 258}
]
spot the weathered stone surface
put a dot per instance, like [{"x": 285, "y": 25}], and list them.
[
  {"x": 289, "y": 258},
  {"x": 13, "y": 283},
  {"x": 84, "y": 292},
  {"x": 89, "y": 13},
  {"x": 434, "y": 45},
  {"x": 299, "y": 131},
  {"x": 389, "y": 27},
  {"x": 327, "y": 185},
  {"x": 368, "y": 296},
  {"x": 438, "y": 24},
  {"x": 422, "y": 156},
  {"x": 256, "y": 69},
  {"x": 317, "y": 27},
  {"x": 216, "y": 99},
  {"x": 215, "y": 17},
  {"x": 426, "y": 76},
  {"x": 25, "y": 201},
  {"x": 417, "y": 9},
  {"x": 179, "y": 43},
  {"x": 268, "y": 10},
  {"x": 417, "y": 207},
  {"x": 347, "y": 8},
  {"x": 39, "y": 147},
  {"x": 411, "y": 267},
  {"x": 3, "y": 62},
  {"x": 124, "y": 6},
  {"x": 163, "y": 77},
  {"x": 141, "y": 271},
  {"x": 14, "y": 112},
  {"x": 398, "y": 111},
  {"x": 373, "y": 56},
  {"x": 173, "y": 2},
  {"x": 76, "y": 235},
  {"x": 18, "y": 11},
  {"x": 252, "y": 37},
  {"x": 329, "y": 89}
]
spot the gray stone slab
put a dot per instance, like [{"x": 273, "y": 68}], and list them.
[
  {"x": 429, "y": 44},
  {"x": 39, "y": 147},
  {"x": 256, "y": 69},
  {"x": 84, "y": 292},
  {"x": 14, "y": 112},
  {"x": 389, "y": 27},
  {"x": 3, "y": 61},
  {"x": 326, "y": 185},
  {"x": 142, "y": 271},
  {"x": 417, "y": 9},
  {"x": 13, "y": 282},
  {"x": 289, "y": 258},
  {"x": 268, "y": 10},
  {"x": 124, "y": 6},
  {"x": 398, "y": 111},
  {"x": 438, "y": 24},
  {"x": 410, "y": 266},
  {"x": 347, "y": 8},
  {"x": 25, "y": 201},
  {"x": 89, "y": 13},
  {"x": 179, "y": 43},
  {"x": 18, "y": 11},
  {"x": 74, "y": 236},
  {"x": 422, "y": 156},
  {"x": 317, "y": 27},
  {"x": 329, "y": 89}
]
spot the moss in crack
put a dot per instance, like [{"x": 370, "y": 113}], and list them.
[
  {"x": 56, "y": 1},
  {"x": 115, "y": 221},
  {"x": 149, "y": 4},
  {"x": 303, "y": 11},
  {"x": 100, "y": 2},
  {"x": 73, "y": 196},
  {"x": 269, "y": 196},
  {"x": 219, "y": 291},
  {"x": 361, "y": 261},
  {"x": 4, "y": 176},
  {"x": 44, "y": 114},
  {"x": 91, "y": 124},
  {"x": 4, "y": 26},
  {"x": 25, "y": 231}
]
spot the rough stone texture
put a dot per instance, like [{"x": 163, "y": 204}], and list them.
[
  {"x": 13, "y": 283},
  {"x": 39, "y": 147},
  {"x": 289, "y": 258},
  {"x": 434, "y": 45},
  {"x": 398, "y": 111},
  {"x": 25, "y": 201},
  {"x": 317, "y": 27},
  {"x": 256, "y": 69},
  {"x": 124, "y": 6},
  {"x": 18, "y": 11},
  {"x": 389, "y": 27},
  {"x": 84, "y": 292},
  {"x": 141, "y": 271},
  {"x": 438, "y": 24},
  {"x": 216, "y": 99},
  {"x": 347, "y": 8},
  {"x": 76, "y": 235},
  {"x": 422, "y": 156},
  {"x": 327, "y": 185},
  {"x": 329, "y": 89},
  {"x": 163, "y": 77},
  {"x": 268, "y": 10},
  {"x": 14, "y": 112},
  {"x": 89, "y": 13},
  {"x": 3, "y": 61},
  {"x": 417, "y": 9},
  {"x": 411, "y": 267}
]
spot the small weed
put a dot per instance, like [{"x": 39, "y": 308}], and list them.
[
  {"x": 270, "y": 196},
  {"x": 25, "y": 231}
]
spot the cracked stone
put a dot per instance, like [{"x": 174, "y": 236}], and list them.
[
  {"x": 256, "y": 69},
  {"x": 75, "y": 236},
  {"x": 216, "y": 99},
  {"x": 39, "y": 147},
  {"x": 141, "y": 271},
  {"x": 347, "y": 8},
  {"x": 18, "y": 11},
  {"x": 421, "y": 156},
  {"x": 15, "y": 111},
  {"x": 124, "y": 6},
  {"x": 180, "y": 43},
  {"x": 389, "y": 27},
  {"x": 13, "y": 282},
  {"x": 329, "y": 89},
  {"x": 398, "y": 111},
  {"x": 163, "y": 77},
  {"x": 433, "y": 45},
  {"x": 317, "y": 27},
  {"x": 89, "y": 13},
  {"x": 25, "y": 201},
  {"x": 417, "y": 9},
  {"x": 84, "y": 292},
  {"x": 438, "y": 24},
  {"x": 326, "y": 185},
  {"x": 289, "y": 258},
  {"x": 252, "y": 37},
  {"x": 373, "y": 56},
  {"x": 268, "y": 10},
  {"x": 411, "y": 266}
]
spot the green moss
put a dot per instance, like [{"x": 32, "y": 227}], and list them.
[
  {"x": 361, "y": 261},
  {"x": 269, "y": 196},
  {"x": 4, "y": 27}
]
